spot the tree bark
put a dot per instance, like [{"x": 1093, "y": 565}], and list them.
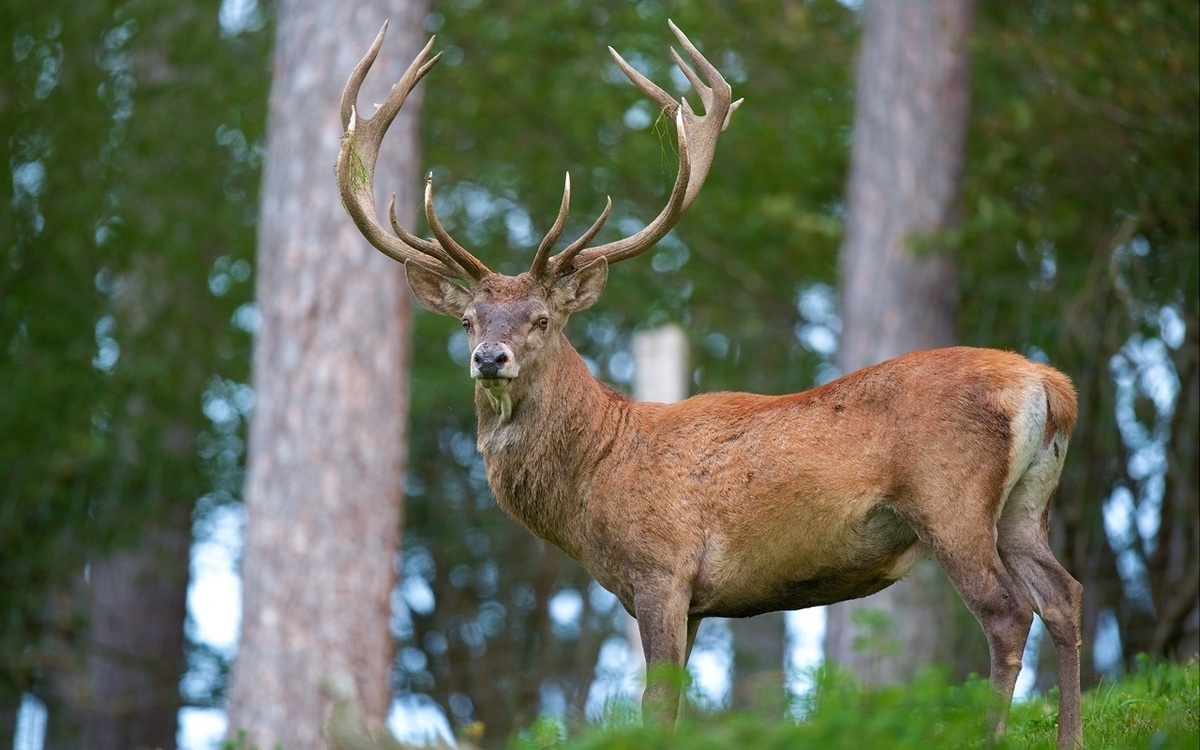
[
  {"x": 327, "y": 439},
  {"x": 119, "y": 688},
  {"x": 898, "y": 293},
  {"x": 137, "y": 604}
]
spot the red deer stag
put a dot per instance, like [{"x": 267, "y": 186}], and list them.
[{"x": 733, "y": 504}]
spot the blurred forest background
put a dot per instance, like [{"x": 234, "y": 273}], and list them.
[{"x": 134, "y": 134}]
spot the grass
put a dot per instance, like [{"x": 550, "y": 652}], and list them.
[{"x": 1156, "y": 706}]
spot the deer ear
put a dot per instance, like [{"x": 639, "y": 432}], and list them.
[
  {"x": 436, "y": 292},
  {"x": 581, "y": 289}
]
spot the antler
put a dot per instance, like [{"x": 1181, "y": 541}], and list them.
[
  {"x": 356, "y": 175},
  {"x": 697, "y": 136}
]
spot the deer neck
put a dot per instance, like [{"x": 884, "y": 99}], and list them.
[{"x": 542, "y": 445}]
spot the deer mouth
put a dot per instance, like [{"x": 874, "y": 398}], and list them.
[{"x": 493, "y": 381}]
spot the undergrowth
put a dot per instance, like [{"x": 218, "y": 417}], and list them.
[{"x": 1156, "y": 707}]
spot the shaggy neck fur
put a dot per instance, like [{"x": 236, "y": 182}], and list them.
[{"x": 543, "y": 443}]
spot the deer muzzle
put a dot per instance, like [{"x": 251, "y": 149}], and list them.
[{"x": 493, "y": 361}]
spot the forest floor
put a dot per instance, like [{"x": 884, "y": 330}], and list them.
[{"x": 1155, "y": 706}]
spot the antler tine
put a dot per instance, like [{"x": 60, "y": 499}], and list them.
[
  {"x": 716, "y": 97},
  {"x": 540, "y": 260},
  {"x": 427, "y": 246},
  {"x": 705, "y": 92},
  {"x": 651, "y": 89},
  {"x": 697, "y": 136},
  {"x": 648, "y": 235},
  {"x": 469, "y": 263},
  {"x": 564, "y": 260},
  {"x": 356, "y": 170}
]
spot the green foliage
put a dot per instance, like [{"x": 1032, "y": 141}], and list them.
[
  {"x": 126, "y": 233},
  {"x": 1157, "y": 706},
  {"x": 1075, "y": 160}
]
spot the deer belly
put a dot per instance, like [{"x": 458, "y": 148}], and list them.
[{"x": 798, "y": 571}]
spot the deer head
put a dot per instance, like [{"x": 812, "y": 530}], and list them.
[{"x": 511, "y": 320}]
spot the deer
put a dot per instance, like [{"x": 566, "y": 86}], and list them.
[{"x": 736, "y": 504}]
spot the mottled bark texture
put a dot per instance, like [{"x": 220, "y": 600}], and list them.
[
  {"x": 898, "y": 291},
  {"x": 326, "y": 451}
]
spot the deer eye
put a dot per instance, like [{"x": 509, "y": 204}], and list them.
[
  {"x": 543, "y": 323},
  {"x": 466, "y": 324}
]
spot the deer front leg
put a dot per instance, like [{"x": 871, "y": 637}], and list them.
[{"x": 664, "y": 628}]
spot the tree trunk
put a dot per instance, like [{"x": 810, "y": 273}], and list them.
[
  {"x": 327, "y": 439},
  {"x": 137, "y": 606},
  {"x": 1175, "y": 565},
  {"x": 758, "y": 663},
  {"x": 898, "y": 293},
  {"x": 119, "y": 688}
]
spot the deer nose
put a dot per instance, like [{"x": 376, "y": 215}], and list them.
[{"x": 490, "y": 359}]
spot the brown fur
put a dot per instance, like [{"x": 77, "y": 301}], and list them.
[{"x": 734, "y": 504}]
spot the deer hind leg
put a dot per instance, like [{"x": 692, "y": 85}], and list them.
[
  {"x": 1024, "y": 547},
  {"x": 964, "y": 544}
]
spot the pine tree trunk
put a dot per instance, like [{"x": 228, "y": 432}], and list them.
[
  {"x": 898, "y": 293},
  {"x": 327, "y": 439}
]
